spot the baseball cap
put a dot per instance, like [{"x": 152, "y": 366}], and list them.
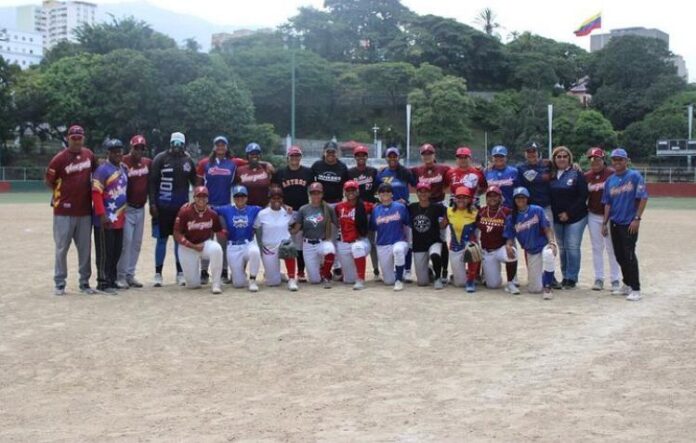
[
  {"x": 113, "y": 143},
  {"x": 427, "y": 149},
  {"x": 316, "y": 187},
  {"x": 463, "y": 191},
  {"x": 200, "y": 190},
  {"x": 330, "y": 146},
  {"x": 423, "y": 186},
  {"x": 252, "y": 148},
  {"x": 239, "y": 190},
  {"x": 294, "y": 150},
  {"x": 463, "y": 152},
  {"x": 350, "y": 184},
  {"x": 619, "y": 153},
  {"x": 499, "y": 151},
  {"x": 531, "y": 147},
  {"x": 177, "y": 137},
  {"x": 76, "y": 131},
  {"x": 384, "y": 187},
  {"x": 220, "y": 139},
  {"x": 360, "y": 149},
  {"x": 520, "y": 191},
  {"x": 392, "y": 150},
  {"x": 138, "y": 140},
  {"x": 494, "y": 190},
  {"x": 595, "y": 152}
]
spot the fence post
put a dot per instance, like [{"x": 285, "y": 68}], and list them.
[{"x": 670, "y": 175}]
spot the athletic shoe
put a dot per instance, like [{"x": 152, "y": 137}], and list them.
[
  {"x": 85, "y": 289},
  {"x": 253, "y": 287},
  {"x": 548, "y": 294},
  {"x": 444, "y": 281},
  {"x": 326, "y": 282},
  {"x": 216, "y": 289},
  {"x": 301, "y": 277},
  {"x": 180, "y": 280},
  {"x": 59, "y": 290},
  {"x": 121, "y": 284},
  {"x": 338, "y": 274},
  {"x": 205, "y": 277},
  {"x": 359, "y": 285},
  {"x": 108, "y": 290},
  {"x": 471, "y": 287},
  {"x": 439, "y": 284},
  {"x": 133, "y": 283},
  {"x": 377, "y": 277},
  {"x": 623, "y": 290},
  {"x": 556, "y": 284},
  {"x": 598, "y": 285},
  {"x": 225, "y": 278},
  {"x": 634, "y": 296},
  {"x": 158, "y": 280},
  {"x": 408, "y": 277},
  {"x": 615, "y": 285},
  {"x": 569, "y": 284},
  {"x": 512, "y": 289},
  {"x": 292, "y": 285},
  {"x": 398, "y": 285},
  {"x": 284, "y": 278}
]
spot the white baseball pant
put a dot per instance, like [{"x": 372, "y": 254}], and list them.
[
  {"x": 421, "y": 263},
  {"x": 347, "y": 253},
  {"x": 492, "y": 261},
  {"x": 537, "y": 264},
  {"x": 271, "y": 265},
  {"x": 191, "y": 263},
  {"x": 239, "y": 256},
  {"x": 132, "y": 242},
  {"x": 390, "y": 256},
  {"x": 314, "y": 254},
  {"x": 599, "y": 245},
  {"x": 456, "y": 259}
]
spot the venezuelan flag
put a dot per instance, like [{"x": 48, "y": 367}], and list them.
[{"x": 589, "y": 25}]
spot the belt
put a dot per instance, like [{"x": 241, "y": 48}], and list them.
[
  {"x": 136, "y": 206},
  {"x": 312, "y": 242},
  {"x": 237, "y": 242}
]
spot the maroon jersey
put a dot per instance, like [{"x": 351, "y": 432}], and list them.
[
  {"x": 257, "y": 182},
  {"x": 138, "y": 174},
  {"x": 70, "y": 176},
  {"x": 491, "y": 224},
  {"x": 470, "y": 177},
  {"x": 194, "y": 226},
  {"x": 595, "y": 186},
  {"x": 437, "y": 176}
]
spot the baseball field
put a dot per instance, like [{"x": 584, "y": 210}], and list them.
[{"x": 172, "y": 364}]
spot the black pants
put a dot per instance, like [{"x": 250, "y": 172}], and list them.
[
  {"x": 108, "y": 244},
  {"x": 625, "y": 251}
]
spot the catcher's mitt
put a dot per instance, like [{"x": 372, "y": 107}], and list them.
[
  {"x": 287, "y": 249},
  {"x": 472, "y": 253}
]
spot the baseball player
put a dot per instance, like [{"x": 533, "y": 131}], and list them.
[
  {"x": 501, "y": 175},
  {"x": 353, "y": 243},
  {"x": 428, "y": 218},
  {"x": 529, "y": 225},
  {"x": 255, "y": 176},
  {"x": 69, "y": 175},
  {"x": 624, "y": 199},
  {"x": 366, "y": 177},
  {"x": 462, "y": 222},
  {"x": 466, "y": 174},
  {"x": 138, "y": 168},
  {"x": 273, "y": 237},
  {"x": 535, "y": 175},
  {"x": 596, "y": 177},
  {"x": 238, "y": 220},
  {"x": 317, "y": 220},
  {"x": 390, "y": 220},
  {"x": 194, "y": 226},
  {"x": 490, "y": 223},
  {"x": 171, "y": 174},
  {"x": 331, "y": 173}
]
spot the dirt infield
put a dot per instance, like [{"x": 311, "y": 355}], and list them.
[{"x": 177, "y": 365}]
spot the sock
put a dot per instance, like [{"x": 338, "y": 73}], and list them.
[
  {"x": 472, "y": 271},
  {"x": 409, "y": 259},
  {"x": 179, "y": 269},
  {"x": 547, "y": 279},
  {"x": 160, "y": 253},
  {"x": 176, "y": 254},
  {"x": 360, "y": 265},
  {"x": 445, "y": 260},
  {"x": 328, "y": 263},
  {"x": 400, "y": 273},
  {"x": 300, "y": 263},
  {"x": 511, "y": 270},
  {"x": 437, "y": 260},
  {"x": 290, "y": 265}
]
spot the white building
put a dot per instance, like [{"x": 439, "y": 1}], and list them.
[
  {"x": 23, "y": 48},
  {"x": 56, "y": 20}
]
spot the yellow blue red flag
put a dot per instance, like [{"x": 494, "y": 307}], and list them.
[{"x": 589, "y": 25}]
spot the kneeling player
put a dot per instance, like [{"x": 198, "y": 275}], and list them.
[
  {"x": 390, "y": 220},
  {"x": 353, "y": 245},
  {"x": 462, "y": 221},
  {"x": 427, "y": 220},
  {"x": 194, "y": 226}
]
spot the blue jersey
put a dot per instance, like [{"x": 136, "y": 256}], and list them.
[
  {"x": 528, "y": 228},
  {"x": 621, "y": 193},
  {"x": 400, "y": 179},
  {"x": 389, "y": 222},
  {"x": 506, "y": 179},
  {"x": 239, "y": 222},
  {"x": 536, "y": 179},
  {"x": 218, "y": 176}
]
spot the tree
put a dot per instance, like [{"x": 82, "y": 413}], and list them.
[
  {"x": 487, "y": 19},
  {"x": 127, "y": 33},
  {"x": 7, "y": 109},
  {"x": 593, "y": 129}
]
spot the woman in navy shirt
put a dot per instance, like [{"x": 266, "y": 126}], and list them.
[{"x": 569, "y": 208}]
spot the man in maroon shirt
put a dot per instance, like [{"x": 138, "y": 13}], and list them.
[
  {"x": 138, "y": 168},
  {"x": 193, "y": 230},
  {"x": 69, "y": 175}
]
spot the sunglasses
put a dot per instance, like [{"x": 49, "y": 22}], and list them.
[
  {"x": 315, "y": 192},
  {"x": 562, "y": 156}
]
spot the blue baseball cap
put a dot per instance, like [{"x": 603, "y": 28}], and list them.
[
  {"x": 220, "y": 139},
  {"x": 619, "y": 153},
  {"x": 239, "y": 190},
  {"x": 392, "y": 150},
  {"x": 520, "y": 191},
  {"x": 253, "y": 148},
  {"x": 499, "y": 150}
]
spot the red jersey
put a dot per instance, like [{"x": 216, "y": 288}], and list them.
[
  {"x": 491, "y": 224},
  {"x": 194, "y": 226},
  {"x": 257, "y": 182},
  {"x": 470, "y": 177},
  {"x": 595, "y": 186},
  {"x": 437, "y": 176},
  {"x": 345, "y": 213},
  {"x": 138, "y": 175},
  {"x": 70, "y": 176}
]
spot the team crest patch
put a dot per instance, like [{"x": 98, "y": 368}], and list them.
[
  {"x": 421, "y": 223},
  {"x": 187, "y": 167},
  {"x": 530, "y": 175}
]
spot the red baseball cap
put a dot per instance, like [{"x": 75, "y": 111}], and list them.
[
  {"x": 427, "y": 149},
  {"x": 351, "y": 184},
  {"x": 360, "y": 149},
  {"x": 595, "y": 152},
  {"x": 76, "y": 131},
  {"x": 294, "y": 150},
  {"x": 463, "y": 190},
  {"x": 463, "y": 152},
  {"x": 494, "y": 190},
  {"x": 200, "y": 190},
  {"x": 138, "y": 140},
  {"x": 316, "y": 186},
  {"x": 423, "y": 185}
]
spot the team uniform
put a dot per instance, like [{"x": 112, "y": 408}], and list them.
[
  {"x": 134, "y": 226},
  {"x": 471, "y": 178},
  {"x": 273, "y": 227},
  {"x": 462, "y": 231},
  {"x": 367, "y": 182},
  {"x": 595, "y": 220},
  {"x": 537, "y": 179},
  {"x": 241, "y": 249},
  {"x": 506, "y": 179},
  {"x": 390, "y": 223},
  {"x": 353, "y": 245},
  {"x": 256, "y": 180},
  {"x": 218, "y": 174},
  {"x": 491, "y": 227},
  {"x": 193, "y": 228},
  {"x": 400, "y": 179},
  {"x": 69, "y": 175},
  {"x": 427, "y": 240},
  {"x": 437, "y": 176},
  {"x": 332, "y": 178},
  {"x": 317, "y": 224}
]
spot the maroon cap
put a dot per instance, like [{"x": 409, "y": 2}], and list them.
[
  {"x": 350, "y": 184},
  {"x": 200, "y": 190},
  {"x": 76, "y": 131},
  {"x": 360, "y": 149},
  {"x": 463, "y": 152},
  {"x": 423, "y": 185},
  {"x": 294, "y": 150},
  {"x": 138, "y": 140},
  {"x": 494, "y": 190},
  {"x": 595, "y": 152},
  {"x": 316, "y": 186},
  {"x": 427, "y": 149}
]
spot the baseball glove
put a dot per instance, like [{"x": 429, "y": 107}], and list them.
[
  {"x": 287, "y": 249},
  {"x": 472, "y": 253}
]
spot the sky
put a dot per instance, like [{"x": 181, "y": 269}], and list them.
[{"x": 549, "y": 18}]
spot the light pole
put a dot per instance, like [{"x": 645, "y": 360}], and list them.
[
  {"x": 375, "y": 128},
  {"x": 292, "y": 42}
]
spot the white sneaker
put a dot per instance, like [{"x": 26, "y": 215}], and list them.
[
  {"x": 615, "y": 285},
  {"x": 407, "y": 276},
  {"x": 292, "y": 285},
  {"x": 512, "y": 289},
  {"x": 216, "y": 289},
  {"x": 399, "y": 285},
  {"x": 438, "y": 284},
  {"x": 598, "y": 285},
  {"x": 359, "y": 285},
  {"x": 180, "y": 280},
  {"x": 253, "y": 287},
  {"x": 158, "y": 280},
  {"x": 623, "y": 290},
  {"x": 548, "y": 294},
  {"x": 634, "y": 296},
  {"x": 121, "y": 284},
  {"x": 326, "y": 282}
]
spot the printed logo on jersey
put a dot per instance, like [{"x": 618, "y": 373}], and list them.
[
  {"x": 199, "y": 226},
  {"x": 530, "y": 175},
  {"x": 251, "y": 177},
  {"x": 329, "y": 176},
  {"x": 215, "y": 170},
  {"x": 294, "y": 182},
  {"x": 470, "y": 181},
  {"x": 527, "y": 224},
  {"x": 350, "y": 215},
  {"x": 421, "y": 223},
  {"x": 570, "y": 182},
  {"x": 138, "y": 172},
  {"x": 187, "y": 167},
  {"x": 77, "y": 167},
  {"x": 628, "y": 187},
  {"x": 595, "y": 187},
  {"x": 315, "y": 219},
  {"x": 431, "y": 180},
  {"x": 240, "y": 221},
  {"x": 365, "y": 180},
  {"x": 384, "y": 219}
]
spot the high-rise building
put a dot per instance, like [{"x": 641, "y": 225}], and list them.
[
  {"x": 23, "y": 48},
  {"x": 56, "y": 20}
]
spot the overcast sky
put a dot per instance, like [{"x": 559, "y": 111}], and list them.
[{"x": 550, "y": 18}]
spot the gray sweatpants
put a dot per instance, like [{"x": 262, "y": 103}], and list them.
[
  {"x": 67, "y": 229},
  {"x": 132, "y": 242}
]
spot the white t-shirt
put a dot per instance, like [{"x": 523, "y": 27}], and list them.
[{"x": 274, "y": 225}]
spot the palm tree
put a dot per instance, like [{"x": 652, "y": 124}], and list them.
[{"x": 486, "y": 19}]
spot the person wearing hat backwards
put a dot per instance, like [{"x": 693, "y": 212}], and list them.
[
  {"x": 624, "y": 199},
  {"x": 366, "y": 177},
  {"x": 172, "y": 172},
  {"x": 353, "y": 241},
  {"x": 255, "y": 175},
  {"x": 596, "y": 177},
  {"x": 109, "y": 184},
  {"x": 194, "y": 226},
  {"x": 428, "y": 218}
]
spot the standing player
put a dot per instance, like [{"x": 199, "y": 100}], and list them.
[
  {"x": 390, "y": 220},
  {"x": 294, "y": 179},
  {"x": 273, "y": 237},
  {"x": 331, "y": 173},
  {"x": 193, "y": 229},
  {"x": 109, "y": 197},
  {"x": 462, "y": 222},
  {"x": 171, "y": 174},
  {"x": 427, "y": 220},
  {"x": 138, "y": 168},
  {"x": 353, "y": 244},
  {"x": 255, "y": 176},
  {"x": 465, "y": 174},
  {"x": 317, "y": 220},
  {"x": 69, "y": 175},
  {"x": 502, "y": 175},
  {"x": 596, "y": 177},
  {"x": 624, "y": 199},
  {"x": 366, "y": 177},
  {"x": 238, "y": 220},
  {"x": 535, "y": 175}
]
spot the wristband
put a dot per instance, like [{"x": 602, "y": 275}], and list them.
[{"x": 636, "y": 218}]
